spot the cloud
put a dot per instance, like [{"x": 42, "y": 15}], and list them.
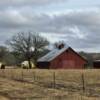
[
  {"x": 28, "y": 2},
  {"x": 80, "y": 29}
]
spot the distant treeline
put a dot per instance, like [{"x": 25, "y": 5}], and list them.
[{"x": 90, "y": 57}]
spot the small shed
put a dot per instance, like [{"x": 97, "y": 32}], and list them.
[
  {"x": 96, "y": 64},
  {"x": 63, "y": 57}
]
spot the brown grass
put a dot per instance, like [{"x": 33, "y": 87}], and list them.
[{"x": 23, "y": 84}]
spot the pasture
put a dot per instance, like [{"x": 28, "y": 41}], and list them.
[{"x": 34, "y": 84}]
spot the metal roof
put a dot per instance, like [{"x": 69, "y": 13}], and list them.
[
  {"x": 53, "y": 54},
  {"x": 96, "y": 60}
]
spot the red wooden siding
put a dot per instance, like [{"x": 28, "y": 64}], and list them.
[{"x": 68, "y": 60}]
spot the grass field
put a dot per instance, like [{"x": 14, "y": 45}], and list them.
[{"x": 23, "y": 84}]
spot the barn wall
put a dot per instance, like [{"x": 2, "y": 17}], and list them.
[
  {"x": 68, "y": 60},
  {"x": 43, "y": 65}
]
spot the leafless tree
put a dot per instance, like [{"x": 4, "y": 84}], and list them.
[{"x": 28, "y": 44}]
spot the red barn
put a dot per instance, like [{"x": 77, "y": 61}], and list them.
[{"x": 63, "y": 57}]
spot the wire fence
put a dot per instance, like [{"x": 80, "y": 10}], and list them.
[{"x": 72, "y": 81}]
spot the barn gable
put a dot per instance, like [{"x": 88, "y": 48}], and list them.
[
  {"x": 62, "y": 58},
  {"x": 79, "y": 55}
]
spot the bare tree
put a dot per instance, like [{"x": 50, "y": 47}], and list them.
[
  {"x": 3, "y": 51},
  {"x": 28, "y": 44},
  {"x": 59, "y": 44}
]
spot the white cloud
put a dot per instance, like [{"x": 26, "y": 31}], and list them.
[{"x": 78, "y": 33}]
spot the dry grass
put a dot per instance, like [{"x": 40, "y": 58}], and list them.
[{"x": 19, "y": 84}]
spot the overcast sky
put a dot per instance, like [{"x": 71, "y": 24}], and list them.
[{"x": 75, "y": 21}]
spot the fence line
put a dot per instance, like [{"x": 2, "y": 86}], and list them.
[{"x": 34, "y": 77}]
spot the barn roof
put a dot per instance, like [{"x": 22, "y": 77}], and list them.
[
  {"x": 53, "y": 54},
  {"x": 96, "y": 60}
]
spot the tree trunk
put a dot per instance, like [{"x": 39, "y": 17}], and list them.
[{"x": 29, "y": 62}]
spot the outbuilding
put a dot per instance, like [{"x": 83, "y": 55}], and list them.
[
  {"x": 96, "y": 64},
  {"x": 62, "y": 57}
]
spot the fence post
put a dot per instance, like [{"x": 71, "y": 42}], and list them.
[
  {"x": 11, "y": 74},
  {"x": 22, "y": 76},
  {"x": 54, "y": 80},
  {"x": 3, "y": 72},
  {"x": 34, "y": 76},
  {"x": 83, "y": 83}
]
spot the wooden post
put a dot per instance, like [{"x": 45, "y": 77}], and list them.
[
  {"x": 83, "y": 83},
  {"x": 83, "y": 86},
  {"x": 54, "y": 80},
  {"x": 34, "y": 76},
  {"x": 11, "y": 77},
  {"x": 22, "y": 75},
  {"x": 3, "y": 72}
]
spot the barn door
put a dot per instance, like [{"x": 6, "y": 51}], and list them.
[{"x": 69, "y": 64}]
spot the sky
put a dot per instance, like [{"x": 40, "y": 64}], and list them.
[{"x": 77, "y": 22}]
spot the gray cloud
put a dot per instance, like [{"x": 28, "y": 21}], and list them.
[
  {"x": 80, "y": 29},
  {"x": 28, "y": 2}
]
